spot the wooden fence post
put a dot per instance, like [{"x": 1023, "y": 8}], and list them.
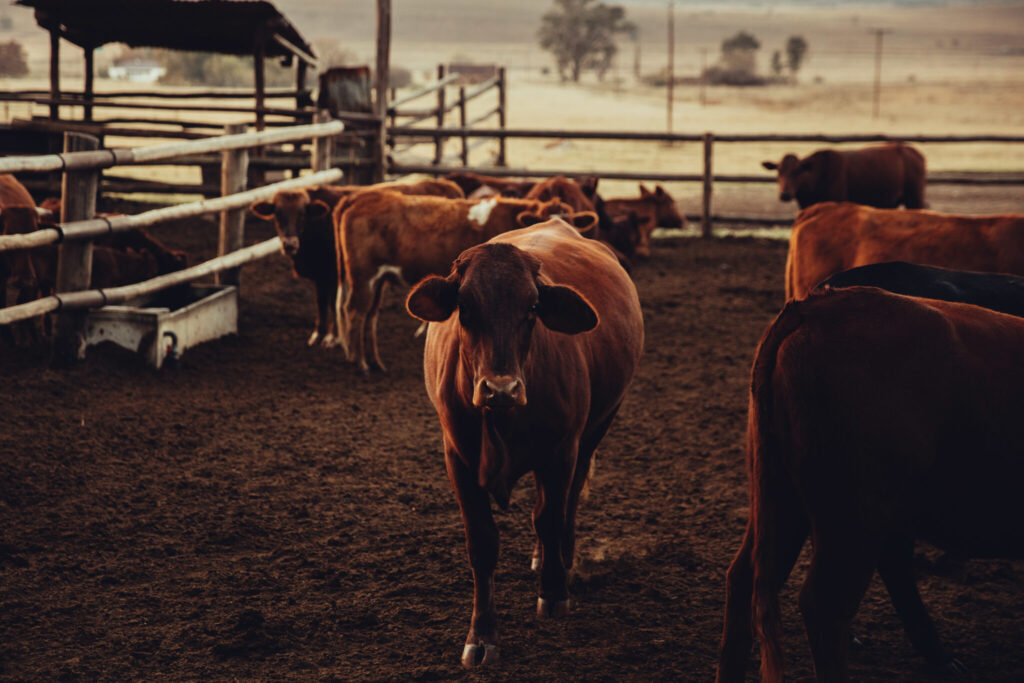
[
  {"x": 234, "y": 172},
  {"x": 74, "y": 263},
  {"x": 705, "y": 216},
  {"x": 439, "y": 141},
  {"x": 502, "y": 161},
  {"x": 323, "y": 147},
  {"x": 462, "y": 124},
  {"x": 380, "y": 159}
]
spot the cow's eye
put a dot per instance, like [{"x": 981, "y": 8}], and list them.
[{"x": 531, "y": 313}]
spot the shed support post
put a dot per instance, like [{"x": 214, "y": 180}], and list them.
[
  {"x": 233, "y": 178},
  {"x": 74, "y": 262},
  {"x": 323, "y": 147},
  {"x": 54, "y": 74},
  {"x": 89, "y": 75},
  {"x": 381, "y": 100},
  {"x": 502, "y": 161},
  {"x": 439, "y": 141},
  {"x": 705, "y": 215}
]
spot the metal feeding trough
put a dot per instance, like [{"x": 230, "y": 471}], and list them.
[{"x": 160, "y": 328}]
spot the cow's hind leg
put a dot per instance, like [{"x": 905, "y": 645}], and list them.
[
  {"x": 482, "y": 543},
  {"x": 737, "y": 631},
  {"x": 324, "y": 332},
  {"x": 841, "y": 569},
  {"x": 370, "y": 328},
  {"x": 896, "y": 567},
  {"x": 357, "y": 303}
]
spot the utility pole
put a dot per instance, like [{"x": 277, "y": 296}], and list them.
[
  {"x": 636, "y": 54},
  {"x": 879, "y": 32},
  {"x": 671, "y": 59},
  {"x": 703, "y": 77}
]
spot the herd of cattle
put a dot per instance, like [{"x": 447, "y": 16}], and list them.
[{"x": 885, "y": 398}]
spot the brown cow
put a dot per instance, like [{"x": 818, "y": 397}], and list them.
[
  {"x": 507, "y": 187},
  {"x": 874, "y": 419},
  {"x": 306, "y": 228},
  {"x": 884, "y": 176},
  {"x": 831, "y": 237},
  {"x": 582, "y": 195},
  {"x": 514, "y": 396},
  {"x": 386, "y": 236},
  {"x": 653, "y": 209}
]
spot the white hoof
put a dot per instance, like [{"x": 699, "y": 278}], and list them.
[
  {"x": 314, "y": 339},
  {"x": 479, "y": 655},
  {"x": 535, "y": 563},
  {"x": 552, "y": 608}
]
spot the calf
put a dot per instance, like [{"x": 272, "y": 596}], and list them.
[
  {"x": 653, "y": 209},
  {"x": 305, "y": 225},
  {"x": 884, "y": 176},
  {"x": 514, "y": 396},
  {"x": 831, "y": 237},
  {"x": 1004, "y": 293},
  {"x": 384, "y": 236},
  {"x": 875, "y": 419}
]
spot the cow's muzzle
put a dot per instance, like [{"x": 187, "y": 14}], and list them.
[
  {"x": 500, "y": 391},
  {"x": 785, "y": 196},
  {"x": 290, "y": 245}
]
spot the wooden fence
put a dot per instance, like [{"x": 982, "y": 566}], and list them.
[
  {"x": 81, "y": 164},
  {"x": 706, "y": 177}
]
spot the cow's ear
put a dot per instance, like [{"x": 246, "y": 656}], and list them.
[
  {"x": 563, "y": 309},
  {"x": 770, "y": 165},
  {"x": 317, "y": 209},
  {"x": 584, "y": 221},
  {"x": 263, "y": 209},
  {"x": 660, "y": 191},
  {"x": 434, "y": 299},
  {"x": 644, "y": 192},
  {"x": 528, "y": 218}
]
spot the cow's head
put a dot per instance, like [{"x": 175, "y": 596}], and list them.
[
  {"x": 19, "y": 220},
  {"x": 668, "y": 213},
  {"x": 624, "y": 235},
  {"x": 500, "y": 295},
  {"x": 292, "y": 211},
  {"x": 797, "y": 177}
]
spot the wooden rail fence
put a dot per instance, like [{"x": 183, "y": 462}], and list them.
[{"x": 81, "y": 164}]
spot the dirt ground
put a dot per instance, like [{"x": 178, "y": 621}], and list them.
[{"x": 265, "y": 513}]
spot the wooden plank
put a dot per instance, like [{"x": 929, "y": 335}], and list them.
[
  {"x": 425, "y": 90},
  {"x": 478, "y": 90},
  {"x": 502, "y": 113},
  {"x": 74, "y": 262},
  {"x": 258, "y": 109},
  {"x": 439, "y": 142},
  {"x": 54, "y": 73}
]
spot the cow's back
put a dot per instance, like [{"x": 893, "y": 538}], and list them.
[
  {"x": 13, "y": 193},
  {"x": 875, "y": 176},
  {"x": 831, "y": 237}
]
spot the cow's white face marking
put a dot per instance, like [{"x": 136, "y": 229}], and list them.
[{"x": 481, "y": 211}]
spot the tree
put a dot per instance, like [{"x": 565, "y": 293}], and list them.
[
  {"x": 581, "y": 35},
  {"x": 12, "y": 60},
  {"x": 796, "y": 50}
]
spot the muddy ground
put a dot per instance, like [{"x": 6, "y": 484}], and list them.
[{"x": 265, "y": 513}]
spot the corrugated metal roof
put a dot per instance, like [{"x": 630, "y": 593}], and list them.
[{"x": 224, "y": 26}]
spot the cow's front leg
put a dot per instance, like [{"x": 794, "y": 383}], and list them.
[
  {"x": 324, "y": 334},
  {"x": 482, "y": 543},
  {"x": 549, "y": 522}
]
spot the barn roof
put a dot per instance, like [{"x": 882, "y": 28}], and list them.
[{"x": 223, "y": 26}]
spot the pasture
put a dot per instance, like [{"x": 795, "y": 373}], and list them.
[{"x": 266, "y": 513}]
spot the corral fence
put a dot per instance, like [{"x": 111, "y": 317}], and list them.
[
  {"x": 80, "y": 165},
  {"x": 707, "y": 178}
]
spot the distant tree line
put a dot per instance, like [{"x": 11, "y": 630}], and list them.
[
  {"x": 738, "y": 62},
  {"x": 580, "y": 34}
]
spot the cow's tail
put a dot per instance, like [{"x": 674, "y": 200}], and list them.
[{"x": 767, "y": 476}]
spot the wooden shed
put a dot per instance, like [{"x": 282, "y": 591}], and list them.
[{"x": 237, "y": 27}]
